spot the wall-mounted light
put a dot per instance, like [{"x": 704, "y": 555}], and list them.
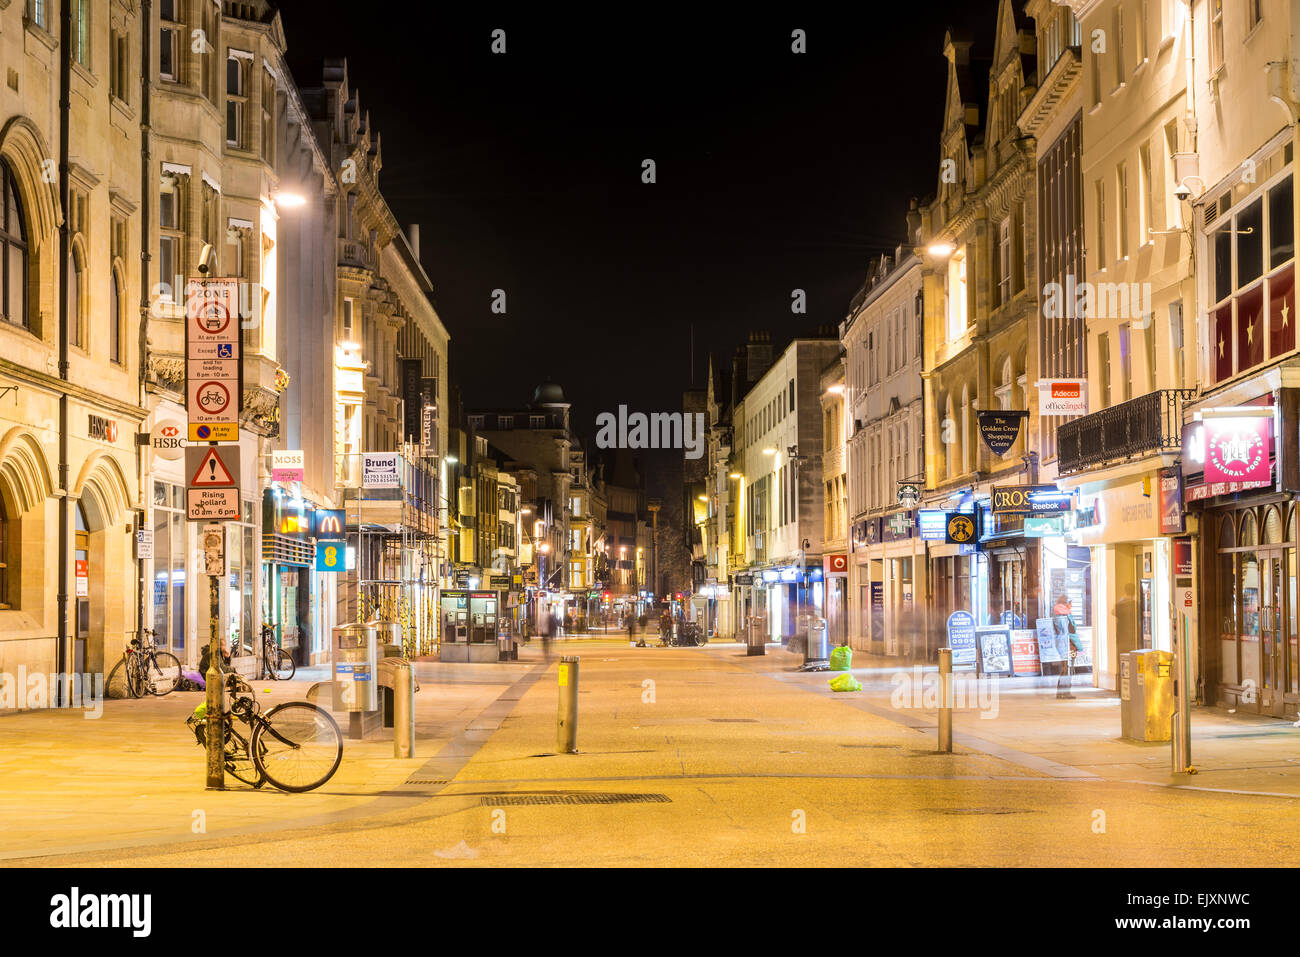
[
  {"x": 941, "y": 249},
  {"x": 287, "y": 200}
]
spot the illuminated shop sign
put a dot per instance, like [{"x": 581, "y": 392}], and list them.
[{"x": 1238, "y": 447}]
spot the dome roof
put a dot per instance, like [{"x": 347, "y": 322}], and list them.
[{"x": 549, "y": 393}]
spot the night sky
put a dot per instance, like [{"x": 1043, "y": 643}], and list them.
[{"x": 775, "y": 171}]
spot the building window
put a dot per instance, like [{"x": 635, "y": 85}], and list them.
[
  {"x": 1119, "y": 45},
  {"x": 81, "y": 32},
  {"x": 38, "y": 12},
  {"x": 1143, "y": 10},
  {"x": 1216, "y": 35},
  {"x": 1149, "y": 346},
  {"x": 537, "y": 421},
  {"x": 207, "y": 58},
  {"x": 268, "y": 117},
  {"x": 1004, "y": 262},
  {"x": 1100, "y": 187},
  {"x": 1173, "y": 206},
  {"x": 1254, "y": 13},
  {"x": 236, "y": 101},
  {"x": 170, "y": 224},
  {"x": 1121, "y": 196},
  {"x": 1125, "y": 362},
  {"x": 76, "y": 302},
  {"x": 13, "y": 251},
  {"x": 235, "y": 254},
  {"x": 348, "y": 306},
  {"x": 957, "y": 296},
  {"x": 1103, "y": 370},
  {"x": 169, "y": 551},
  {"x": 118, "y": 71},
  {"x": 170, "y": 31},
  {"x": 115, "y": 319},
  {"x": 1252, "y": 250}
]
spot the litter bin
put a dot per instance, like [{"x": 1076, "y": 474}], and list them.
[
  {"x": 1146, "y": 692},
  {"x": 817, "y": 650},
  {"x": 757, "y": 639},
  {"x": 354, "y": 653}
]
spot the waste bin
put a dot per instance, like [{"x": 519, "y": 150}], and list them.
[
  {"x": 1146, "y": 692},
  {"x": 757, "y": 639},
  {"x": 354, "y": 654},
  {"x": 817, "y": 649}
]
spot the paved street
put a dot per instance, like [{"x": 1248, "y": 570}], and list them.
[{"x": 687, "y": 757}]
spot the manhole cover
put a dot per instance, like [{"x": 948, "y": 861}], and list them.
[
  {"x": 588, "y": 797},
  {"x": 735, "y": 720}
]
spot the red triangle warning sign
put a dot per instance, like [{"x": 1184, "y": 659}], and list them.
[{"x": 212, "y": 472}]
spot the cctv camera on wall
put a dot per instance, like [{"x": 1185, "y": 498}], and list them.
[{"x": 207, "y": 259}]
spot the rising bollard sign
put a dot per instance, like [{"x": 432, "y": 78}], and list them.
[{"x": 961, "y": 639}]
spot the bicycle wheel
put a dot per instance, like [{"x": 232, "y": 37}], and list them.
[
  {"x": 283, "y": 667},
  {"x": 116, "y": 684},
  {"x": 135, "y": 681},
  {"x": 298, "y": 746},
  {"x": 239, "y": 762},
  {"x": 162, "y": 673}
]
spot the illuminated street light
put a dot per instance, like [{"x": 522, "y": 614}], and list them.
[{"x": 287, "y": 200}]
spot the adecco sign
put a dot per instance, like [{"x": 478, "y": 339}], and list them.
[
  {"x": 167, "y": 439},
  {"x": 1063, "y": 397}
]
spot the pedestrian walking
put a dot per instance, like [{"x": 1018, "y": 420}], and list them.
[{"x": 1063, "y": 622}]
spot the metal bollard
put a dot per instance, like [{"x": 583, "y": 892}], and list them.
[
  {"x": 403, "y": 711},
  {"x": 945, "y": 700},
  {"x": 567, "y": 719}
]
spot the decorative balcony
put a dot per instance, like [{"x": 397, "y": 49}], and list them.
[{"x": 1147, "y": 425}]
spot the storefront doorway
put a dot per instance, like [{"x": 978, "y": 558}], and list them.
[{"x": 1259, "y": 633}]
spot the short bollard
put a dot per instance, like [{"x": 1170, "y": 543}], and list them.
[
  {"x": 567, "y": 719},
  {"x": 945, "y": 700},
  {"x": 403, "y": 711}
]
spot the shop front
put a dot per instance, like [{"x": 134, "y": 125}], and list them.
[{"x": 1250, "y": 619}]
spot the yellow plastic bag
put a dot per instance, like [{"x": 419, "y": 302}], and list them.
[{"x": 845, "y": 682}]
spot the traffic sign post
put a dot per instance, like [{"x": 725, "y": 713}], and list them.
[{"x": 214, "y": 396}]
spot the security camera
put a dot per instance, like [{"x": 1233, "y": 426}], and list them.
[
  {"x": 1182, "y": 191},
  {"x": 207, "y": 259}
]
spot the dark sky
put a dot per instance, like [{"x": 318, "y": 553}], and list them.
[{"x": 775, "y": 172}]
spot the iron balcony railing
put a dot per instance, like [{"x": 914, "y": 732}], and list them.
[{"x": 1149, "y": 424}]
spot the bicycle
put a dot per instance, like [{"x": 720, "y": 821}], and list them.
[
  {"x": 296, "y": 746},
  {"x": 143, "y": 670},
  {"x": 277, "y": 663}
]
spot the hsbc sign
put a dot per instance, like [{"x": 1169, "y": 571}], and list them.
[{"x": 167, "y": 439}]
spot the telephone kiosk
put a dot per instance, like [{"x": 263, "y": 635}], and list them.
[{"x": 469, "y": 625}]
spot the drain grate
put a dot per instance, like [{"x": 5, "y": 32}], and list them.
[
  {"x": 886, "y": 746},
  {"x": 586, "y": 797},
  {"x": 735, "y": 720},
  {"x": 426, "y": 780}
]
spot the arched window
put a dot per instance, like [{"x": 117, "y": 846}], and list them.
[
  {"x": 5, "y": 539},
  {"x": 114, "y": 318},
  {"x": 948, "y": 436},
  {"x": 13, "y": 251},
  {"x": 1272, "y": 527},
  {"x": 1249, "y": 529},
  {"x": 76, "y": 270}
]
